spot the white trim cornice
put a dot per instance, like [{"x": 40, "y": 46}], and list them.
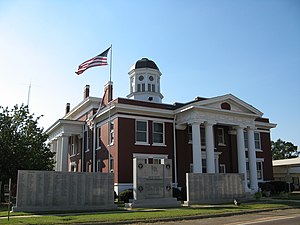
[
  {"x": 224, "y": 98},
  {"x": 85, "y": 106},
  {"x": 64, "y": 128}
]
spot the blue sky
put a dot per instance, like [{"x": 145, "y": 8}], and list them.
[{"x": 203, "y": 48}]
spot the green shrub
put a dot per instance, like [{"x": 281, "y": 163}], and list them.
[
  {"x": 258, "y": 195},
  {"x": 126, "y": 195}
]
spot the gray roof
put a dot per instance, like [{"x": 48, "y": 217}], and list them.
[{"x": 145, "y": 63}]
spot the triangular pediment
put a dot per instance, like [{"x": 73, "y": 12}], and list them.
[{"x": 228, "y": 102}]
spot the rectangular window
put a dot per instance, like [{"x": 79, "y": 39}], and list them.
[
  {"x": 112, "y": 133},
  {"x": 98, "y": 137},
  {"x": 246, "y": 139},
  {"x": 259, "y": 166},
  {"x": 158, "y": 133},
  {"x": 257, "y": 140},
  {"x": 153, "y": 87},
  {"x": 141, "y": 130},
  {"x": 149, "y": 87},
  {"x": 153, "y": 161},
  {"x": 143, "y": 88},
  {"x": 72, "y": 145},
  {"x": 221, "y": 139},
  {"x": 202, "y": 134}
]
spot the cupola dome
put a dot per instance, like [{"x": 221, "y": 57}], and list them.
[{"x": 144, "y": 63}]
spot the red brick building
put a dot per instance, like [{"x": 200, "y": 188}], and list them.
[{"x": 206, "y": 135}]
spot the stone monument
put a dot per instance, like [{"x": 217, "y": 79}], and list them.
[
  {"x": 152, "y": 185},
  {"x": 56, "y": 191},
  {"x": 205, "y": 188}
]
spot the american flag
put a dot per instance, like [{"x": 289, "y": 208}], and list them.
[{"x": 99, "y": 60}]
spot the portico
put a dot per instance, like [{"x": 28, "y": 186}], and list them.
[
  {"x": 238, "y": 116},
  {"x": 62, "y": 130}
]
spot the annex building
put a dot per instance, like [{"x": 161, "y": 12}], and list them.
[{"x": 221, "y": 134}]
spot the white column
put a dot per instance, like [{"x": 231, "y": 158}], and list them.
[
  {"x": 58, "y": 154},
  {"x": 241, "y": 153},
  {"x": 197, "y": 157},
  {"x": 54, "y": 150},
  {"x": 64, "y": 153},
  {"x": 210, "y": 148},
  {"x": 94, "y": 147},
  {"x": 252, "y": 159}
]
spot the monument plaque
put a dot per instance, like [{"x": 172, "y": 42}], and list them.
[{"x": 152, "y": 185}]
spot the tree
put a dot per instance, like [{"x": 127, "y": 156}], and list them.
[
  {"x": 284, "y": 150},
  {"x": 22, "y": 143}
]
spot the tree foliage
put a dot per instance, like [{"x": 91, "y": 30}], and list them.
[
  {"x": 284, "y": 150},
  {"x": 22, "y": 143}
]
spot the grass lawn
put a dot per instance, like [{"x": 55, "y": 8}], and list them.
[{"x": 142, "y": 215}]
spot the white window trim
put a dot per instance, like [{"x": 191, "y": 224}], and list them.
[
  {"x": 158, "y": 143},
  {"x": 259, "y": 139},
  {"x": 202, "y": 132},
  {"x": 159, "y": 159},
  {"x": 147, "y": 133},
  {"x": 98, "y": 139},
  {"x": 146, "y": 156},
  {"x": 216, "y": 158},
  {"x": 223, "y": 137},
  {"x": 256, "y": 149},
  {"x": 111, "y": 140},
  {"x": 258, "y": 160}
]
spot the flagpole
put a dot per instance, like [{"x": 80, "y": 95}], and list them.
[
  {"x": 109, "y": 116},
  {"x": 110, "y": 64},
  {"x": 28, "y": 96}
]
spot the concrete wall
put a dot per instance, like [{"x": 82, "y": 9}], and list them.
[
  {"x": 55, "y": 191},
  {"x": 214, "y": 188}
]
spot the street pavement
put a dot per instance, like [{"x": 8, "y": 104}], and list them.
[{"x": 276, "y": 217}]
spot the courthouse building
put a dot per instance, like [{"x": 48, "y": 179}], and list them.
[{"x": 221, "y": 134}]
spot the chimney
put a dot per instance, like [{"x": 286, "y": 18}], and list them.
[
  {"x": 86, "y": 92},
  {"x": 67, "y": 108},
  {"x": 108, "y": 93}
]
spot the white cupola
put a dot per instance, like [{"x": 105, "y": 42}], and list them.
[{"x": 145, "y": 81}]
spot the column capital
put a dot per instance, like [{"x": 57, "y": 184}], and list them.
[
  {"x": 195, "y": 122},
  {"x": 250, "y": 128},
  {"x": 236, "y": 127},
  {"x": 209, "y": 123}
]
